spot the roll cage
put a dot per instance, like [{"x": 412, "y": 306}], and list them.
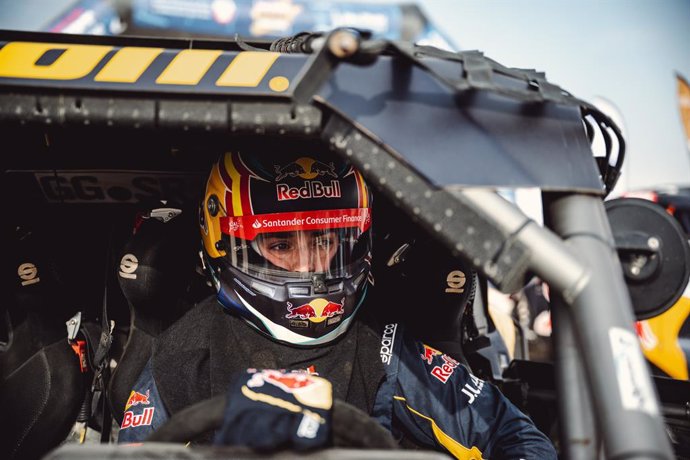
[{"x": 433, "y": 131}]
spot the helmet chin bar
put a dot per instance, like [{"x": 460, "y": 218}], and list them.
[
  {"x": 296, "y": 289},
  {"x": 284, "y": 335},
  {"x": 288, "y": 311}
]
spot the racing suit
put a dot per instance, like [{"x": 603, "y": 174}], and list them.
[{"x": 424, "y": 397}]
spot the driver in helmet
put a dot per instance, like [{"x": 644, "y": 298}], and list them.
[{"x": 287, "y": 241}]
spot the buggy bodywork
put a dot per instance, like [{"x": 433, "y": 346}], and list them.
[{"x": 434, "y": 132}]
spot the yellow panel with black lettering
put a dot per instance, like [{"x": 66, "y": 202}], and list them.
[{"x": 76, "y": 66}]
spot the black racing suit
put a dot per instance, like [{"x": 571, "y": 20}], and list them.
[{"x": 420, "y": 394}]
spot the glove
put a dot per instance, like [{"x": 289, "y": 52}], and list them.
[{"x": 270, "y": 410}]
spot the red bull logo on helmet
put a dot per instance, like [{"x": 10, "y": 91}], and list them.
[
  {"x": 308, "y": 169},
  {"x": 316, "y": 311},
  {"x": 310, "y": 189}
]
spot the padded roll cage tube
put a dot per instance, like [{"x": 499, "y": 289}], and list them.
[{"x": 585, "y": 273}]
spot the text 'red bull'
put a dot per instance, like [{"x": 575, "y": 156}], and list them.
[
  {"x": 310, "y": 189},
  {"x": 445, "y": 370},
  {"x": 132, "y": 421}
]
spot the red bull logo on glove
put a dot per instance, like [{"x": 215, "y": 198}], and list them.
[
  {"x": 316, "y": 311},
  {"x": 286, "y": 381},
  {"x": 307, "y": 389}
]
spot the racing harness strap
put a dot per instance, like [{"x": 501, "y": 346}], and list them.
[{"x": 93, "y": 348}]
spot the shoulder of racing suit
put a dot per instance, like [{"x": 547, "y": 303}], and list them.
[
  {"x": 436, "y": 402},
  {"x": 144, "y": 411}
]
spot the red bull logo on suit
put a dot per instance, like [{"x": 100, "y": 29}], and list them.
[
  {"x": 136, "y": 398},
  {"x": 428, "y": 353},
  {"x": 132, "y": 421},
  {"x": 443, "y": 371}
]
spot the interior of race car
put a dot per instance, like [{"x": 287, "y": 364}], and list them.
[
  {"x": 104, "y": 238},
  {"x": 137, "y": 265}
]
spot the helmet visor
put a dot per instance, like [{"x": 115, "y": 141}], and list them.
[{"x": 297, "y": 244}]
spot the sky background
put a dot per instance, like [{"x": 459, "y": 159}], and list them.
[{"x": 626, "y": 52}]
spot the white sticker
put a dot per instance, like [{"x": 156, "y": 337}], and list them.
[
  {"x": 308, "y": 427},
  {"x": 631, "y": 372}
]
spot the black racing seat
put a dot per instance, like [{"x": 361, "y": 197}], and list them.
[
  {"x": 41, "y": 384},
  {"x": 439, "y": 297},
  {"x": 157, "y": 272}
]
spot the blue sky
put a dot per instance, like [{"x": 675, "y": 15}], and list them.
[{"x": 626, "y": 51}]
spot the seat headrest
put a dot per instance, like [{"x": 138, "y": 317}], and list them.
[{"x": 158, "y": 261}]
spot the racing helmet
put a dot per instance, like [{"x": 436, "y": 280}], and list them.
[{"x": 287, "y": 240}]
